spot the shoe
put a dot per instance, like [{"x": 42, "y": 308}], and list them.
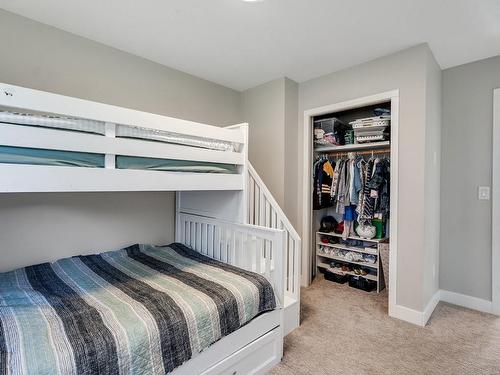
[{"x": 346, "y": 269}]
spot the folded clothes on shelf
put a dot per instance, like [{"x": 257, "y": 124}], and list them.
[
  {"x": 371, "y": 129},
  {"x": 368, "y": 122},
  {"x": 369, "y": 258},
  {"x": 348, "y": 256},
  {"x": 371, "y": 138}
]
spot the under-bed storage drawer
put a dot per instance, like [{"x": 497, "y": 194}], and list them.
[{"x": 257, "y": 357}]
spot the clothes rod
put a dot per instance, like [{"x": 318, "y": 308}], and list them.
[{"x": 364, "y": 152}]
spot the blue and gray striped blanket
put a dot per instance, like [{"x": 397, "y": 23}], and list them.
[{"x": 139, "y": 310}]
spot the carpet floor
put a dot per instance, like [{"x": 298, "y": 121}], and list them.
[{"x": 346, "y": 331}]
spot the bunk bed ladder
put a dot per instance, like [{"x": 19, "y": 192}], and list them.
[{"x": 263, "y": 210}]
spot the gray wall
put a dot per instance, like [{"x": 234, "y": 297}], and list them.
[
  {"x": 36, "y": 227},
  {"x": 465, "y": 259},
  {"x": 271, "y": 110},
  {"x": 406, "y": 71},
  {"x": 432, "y": 176},
  {"x": 291, "y": 178},
  {"x": 264, "y": 110}
]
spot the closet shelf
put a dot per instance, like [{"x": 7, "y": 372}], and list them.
[
  {"x": 342, "y": 259},
  {"x": 376, "y": 240},
  {"x": 349, "y": 248},
  {"x": 330, "y": 269},
  {"x": 353, "y": 147}
]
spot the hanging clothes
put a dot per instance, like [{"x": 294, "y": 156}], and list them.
[
  {"x": 379, "y": 186},
  {"x": 361, "y": 164},
  {"x": 357, "y": 189},
  {"x": 368, "y": 200},
  {"x": 323, "y": 178}
]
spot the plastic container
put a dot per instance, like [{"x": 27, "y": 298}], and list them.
[
  {"x": 332, "y": 276},
  {"x": 359, "y": 282},
  {"x": 334, "y": 131}
]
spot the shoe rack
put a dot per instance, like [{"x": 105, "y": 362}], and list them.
[{"x": 329, "y": 258}]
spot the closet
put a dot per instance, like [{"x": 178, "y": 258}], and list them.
[{"x": 351, "y": 196}]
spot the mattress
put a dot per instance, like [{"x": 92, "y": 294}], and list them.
[
  {"x": 126, "y": 131},
  {"x": 139, "y": 310},
  {"x": 33, "y": 156},
  {"x": 137, "y": 132},
  {"x": 131, "y": 162}
]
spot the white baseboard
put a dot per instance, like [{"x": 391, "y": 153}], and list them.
[
  {"x": 416, "y": 317},
  {"x": 429, "y": 309},
  {"x": 408, "y": 315},
  {"x": 463, "y": 300},
  {"x": 421, "y": 318}
]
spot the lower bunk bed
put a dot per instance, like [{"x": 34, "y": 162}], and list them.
[{"x": 213, "y": 307}]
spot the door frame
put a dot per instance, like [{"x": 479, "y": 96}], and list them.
[
  {"x": 393, "y": 97},
  {"x": 495, "y": 206}
]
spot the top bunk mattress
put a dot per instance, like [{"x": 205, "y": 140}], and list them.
[
  {"x": 140, "y": 310},
  {"x": 33, "y": 156},
  {"x": 125, "y": 131}
]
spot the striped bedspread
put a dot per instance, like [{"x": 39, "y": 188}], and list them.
[{"x": 139, "y": 310}]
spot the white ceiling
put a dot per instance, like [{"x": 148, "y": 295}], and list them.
[{"x": 242, "y": 44}]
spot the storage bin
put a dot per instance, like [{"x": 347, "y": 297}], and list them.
[
  {"x": 360, "y": 282},
  {"x": 332, "y": 276},
  {"x": 333, "y": 130}
]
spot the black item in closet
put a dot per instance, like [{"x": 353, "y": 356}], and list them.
[{"x": 323, "y": 177}]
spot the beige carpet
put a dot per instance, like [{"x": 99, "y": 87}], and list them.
[{"x": 346, "y": 331}]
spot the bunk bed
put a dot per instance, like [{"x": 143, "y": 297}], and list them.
[{"x": 54, "y": 143}]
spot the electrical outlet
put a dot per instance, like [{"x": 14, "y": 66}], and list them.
[{"x": 483, "y": 193}]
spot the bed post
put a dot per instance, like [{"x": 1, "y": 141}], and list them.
[
  {"x": 178, "y": 233},
  {"x": 110, "y": 159},
  {"x": 244, "y": 204},
  {"x": 244, "y": 129}
]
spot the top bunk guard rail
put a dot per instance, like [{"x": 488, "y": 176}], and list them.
[
  {"x": 16, "y": 97},
  {"x": 108, "y": 144}
]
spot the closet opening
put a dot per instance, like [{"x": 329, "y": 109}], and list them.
[{"x": 350, "y": 186}]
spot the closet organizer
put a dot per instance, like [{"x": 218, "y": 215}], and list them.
[{"x": 351, "y": 203}]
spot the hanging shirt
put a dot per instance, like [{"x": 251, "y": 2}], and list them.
[
  {"x": 323, "y": 177},
  {"x": 368, "y": 201},
  {"x": 342, "y": 188},
  {"x": 361, "y": 164},
  {"x": 335, "y": 181},
  {"x": 356, "y": 184}
]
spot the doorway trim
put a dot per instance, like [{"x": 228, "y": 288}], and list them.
[
  {"x": 393, "y": 97},
  {"x": 495, "y": 206}
]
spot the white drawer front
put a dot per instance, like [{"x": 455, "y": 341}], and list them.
[{"x": 255, "y": 358}]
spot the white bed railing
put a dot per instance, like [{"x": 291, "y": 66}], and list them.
[
  {"x": 264, "y": 211},
  {"x": 39, "y": 178},
  {"x": 249, "y": 247},
  {"x": 16, "y": 97}
]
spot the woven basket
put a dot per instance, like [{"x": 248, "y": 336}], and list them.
[{"x": 384, "y": 258}]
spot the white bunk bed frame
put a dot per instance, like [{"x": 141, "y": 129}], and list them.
[
  {"x": 27, "y": 178},
  {"x": 257, "y": 346}
]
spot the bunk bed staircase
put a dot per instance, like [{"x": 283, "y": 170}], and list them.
[
  {"x": 255, "y": 206},
  {"x": 264, "y": 211}
]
